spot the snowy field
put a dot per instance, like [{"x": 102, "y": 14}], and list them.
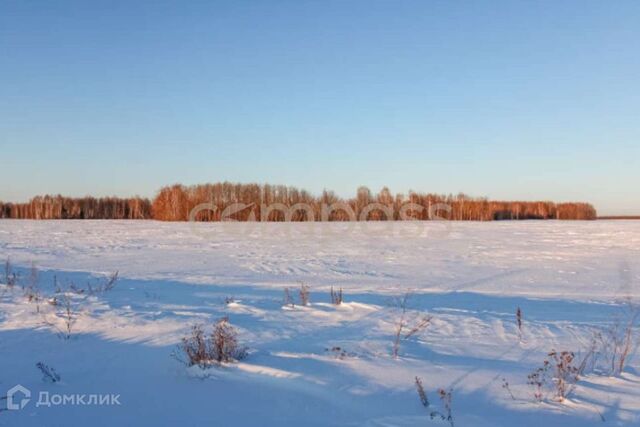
[{"x": 320, "y": 364}]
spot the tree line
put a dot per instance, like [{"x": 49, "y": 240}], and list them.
[
  {"x": 174, "y": 203},
  {"x": 284, "y": 203},
  {"x": 59, "y": 207}
]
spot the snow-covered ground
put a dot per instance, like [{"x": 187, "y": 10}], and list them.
[{"x": 571, "y": 280}]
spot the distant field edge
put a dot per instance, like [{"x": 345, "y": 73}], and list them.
[{"x": 619, "y": 217}]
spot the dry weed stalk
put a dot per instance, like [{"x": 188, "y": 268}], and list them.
[
  {"x": 559, "y": 371},
  {"x": 288, "y": 300},
  {"x": 505, "y": 385},
  {"x": 305, "y": 294},
  {"x": 617, "y": 343},
  {"x": 421, "y": 393},
  {"x": 446, "y": 398},
  {"x": 65, "y": 311},
  {"x": 566, "y": 373},
  {"x": 519, "y": 323},
  {"x": 406, "y": 328},
  {"x": 33, "y": 290},
  {"x": 336, "y": 297},
  {"x": 10, "y": 277},
  {"x": 69, "y": 316},
  {"x": 49, "y": 374}
]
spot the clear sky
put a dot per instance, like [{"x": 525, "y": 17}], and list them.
[{"x": 510, "y": 100}]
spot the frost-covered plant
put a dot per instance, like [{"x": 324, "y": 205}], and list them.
[
  {"x": 220, "y": 346},
  {"x": 48, "y": 373},
  {"x": 406, "y": 327}
]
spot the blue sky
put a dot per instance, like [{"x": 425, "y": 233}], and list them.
[{"x": 510, "y": 100}]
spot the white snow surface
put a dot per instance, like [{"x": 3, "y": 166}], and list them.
[{"x": 569, "y": 279}]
